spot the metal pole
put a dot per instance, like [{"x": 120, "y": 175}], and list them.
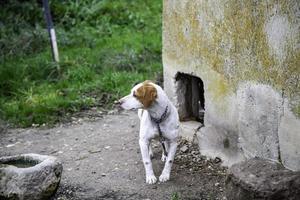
[{"x": 51, "y": 30}]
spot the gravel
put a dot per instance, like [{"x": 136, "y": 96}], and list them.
[{"x": 101, "y": 160}]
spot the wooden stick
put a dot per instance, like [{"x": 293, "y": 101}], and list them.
[{"x": 51, "y": 30}]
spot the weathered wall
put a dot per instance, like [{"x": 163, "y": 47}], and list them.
[{"x": 247, "y": 52}]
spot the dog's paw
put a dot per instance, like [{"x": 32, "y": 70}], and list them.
[
  {"x": 164, "y": 177},
  {"x": 151, "y": 179},
  {"x": 163, "y": 158}
]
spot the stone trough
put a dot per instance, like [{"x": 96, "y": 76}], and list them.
[{"x": 29, "y": 176}]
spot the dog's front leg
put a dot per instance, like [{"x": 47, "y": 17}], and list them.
[
  {"x": 150, "y": 177},
  {"x": 165, "y": 175}
]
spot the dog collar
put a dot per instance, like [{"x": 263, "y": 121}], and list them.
[{"x": 162, "y": 117}]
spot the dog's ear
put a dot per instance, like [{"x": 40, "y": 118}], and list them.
[{"x": 146, "y": 94}]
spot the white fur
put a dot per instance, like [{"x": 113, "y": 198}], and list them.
[{"x": 148, "y": 130}]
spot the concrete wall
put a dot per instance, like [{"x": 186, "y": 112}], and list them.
[{"x": 247, "y": 53}]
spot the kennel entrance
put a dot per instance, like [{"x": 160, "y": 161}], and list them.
[{"x": 190, "y": 97}]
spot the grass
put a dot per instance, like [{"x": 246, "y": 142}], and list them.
[
  {"x": 175, "y": 196},
  {"x": 105, "y": 47}
]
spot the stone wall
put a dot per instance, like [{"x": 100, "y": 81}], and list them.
[{"x": 247, "y": 53}]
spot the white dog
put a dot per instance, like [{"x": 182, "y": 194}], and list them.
[{"x": 159, "y": 118}]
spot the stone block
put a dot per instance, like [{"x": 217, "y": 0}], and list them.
[
  {"x": 188, "y": 129},
  {"x": 217, "y": 142},
  {"x": 260, "y": 108},
  {"x": 289, "y": 139},
  {"x": 262, "y": 179}
]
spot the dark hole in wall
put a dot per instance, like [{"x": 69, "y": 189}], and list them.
[{"x": 190, "y": 97}]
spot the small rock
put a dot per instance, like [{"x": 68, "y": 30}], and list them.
[
  {"x": 12, "y": 139},
  {"x": 54, "y": 152},
  {"x": 217, "y": 160},
  {"x": 94, "y": 151},
  {"x": 11, "y": 145},
  {"x": 184, "y": 149},
  {"x": 103, "y": 174},
  {"x": 111, "y": 112},
  {"x": 217, "y": 184}
]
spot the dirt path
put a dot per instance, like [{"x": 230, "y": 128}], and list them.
[{"x": 101, "y": 160}]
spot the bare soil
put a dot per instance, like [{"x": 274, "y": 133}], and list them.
[{"x": 101, "y": 160}]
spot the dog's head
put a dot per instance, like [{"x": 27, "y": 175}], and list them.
[{"x": 141, "y": 96}]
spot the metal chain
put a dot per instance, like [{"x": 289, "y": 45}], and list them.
[
  {"x": 162, "y": 118},
  {"x": 158, "y": 121}
]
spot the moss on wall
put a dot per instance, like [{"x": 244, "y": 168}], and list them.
[{"x": 231, "y": 38}]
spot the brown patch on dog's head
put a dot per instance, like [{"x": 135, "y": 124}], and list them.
[{"x": 146, "y": 94}]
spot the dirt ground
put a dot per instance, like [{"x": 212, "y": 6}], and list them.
[{"x": 101, "y": 160}]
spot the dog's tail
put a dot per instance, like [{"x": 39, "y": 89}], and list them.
[{"x": 140, "y": 113}]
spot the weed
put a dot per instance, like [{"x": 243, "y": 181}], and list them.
[{"x": 175, "y": 196}]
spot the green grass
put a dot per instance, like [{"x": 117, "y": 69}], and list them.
[
  {"x": 105, "y": 46},
  {"x": 175, "y": 196}
]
